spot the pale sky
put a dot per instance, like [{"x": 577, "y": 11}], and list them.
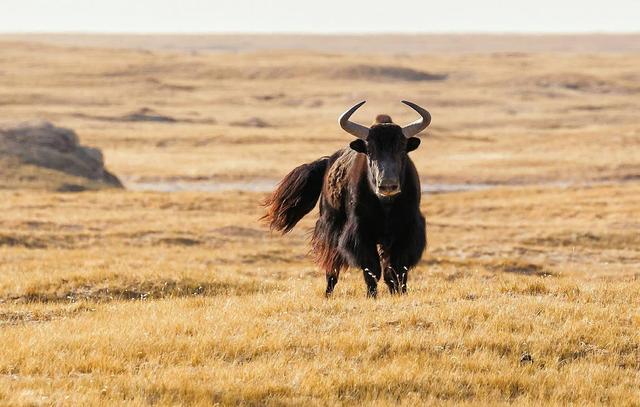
[{"x": 319, "y": 16}]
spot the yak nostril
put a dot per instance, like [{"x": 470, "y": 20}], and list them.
[{"x": 389, "y": 187}]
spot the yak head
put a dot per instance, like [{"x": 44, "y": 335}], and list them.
[{"x": 386, "y": 145}]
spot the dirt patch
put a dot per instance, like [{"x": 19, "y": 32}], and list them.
[
  {"x": 535, "y": 287},
  {"x": 142, "y": 290},
  {"x": 274, "y": 255},
  {"x": 499, "y": 265},
  {"x": 30, "y": 240},
  {"x": 519, "y": 267},
  {"x": 360, "y": 72},
  {"x": 77, "y": 240},
  {"x": 251, "y": 122},
  {"x": 147, "y": 115},
  {"x": 179, "y": 241},
  {"x": 619, "y": 241},
  {"x": 269, "y": 96},
  {"x": 239, "y": 231},
  {"x": 71, "y": 188},
  {"x": 576, "y": 82},
  {"x": 25, "y": 317},
  {"x": 26, "y": 241},
  {"x": 378, "y": 72}
]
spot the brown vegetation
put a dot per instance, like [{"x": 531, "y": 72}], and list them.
[{"x": 529, "y": 291}]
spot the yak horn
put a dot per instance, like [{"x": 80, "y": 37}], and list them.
[
  {"x": 350, "y": 127},
  {"x": 422, "y": 123}
]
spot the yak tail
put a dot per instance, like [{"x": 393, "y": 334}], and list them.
[{"x": 295, "y": 196}]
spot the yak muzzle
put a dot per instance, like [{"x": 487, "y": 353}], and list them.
[{"x": 389, "y": 188}]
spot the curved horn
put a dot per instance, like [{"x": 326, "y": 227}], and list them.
[
  {"x": 350, "y": 127},
  {"x": 422, "y": 123}
]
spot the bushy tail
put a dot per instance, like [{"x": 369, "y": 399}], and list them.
[{"x": 295, "y": 196}]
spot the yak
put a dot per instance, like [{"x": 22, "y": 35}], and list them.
[{"x": 369, "y": 203}]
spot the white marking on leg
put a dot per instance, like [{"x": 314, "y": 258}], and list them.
[
  {"x": 404, "y": 275},
  {"x": 371, "y": 274},
  {"x": 393, "y": 281}
]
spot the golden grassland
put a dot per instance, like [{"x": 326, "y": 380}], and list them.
[
  {"x": 529, "y": 292},
  {"x": 184, "y": 298}
]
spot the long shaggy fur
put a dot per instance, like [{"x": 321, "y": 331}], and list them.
[
  {"x": 295, "y": 196},
  {"x": 384, "y": 238},
  {"x": 325, "y": 240}
]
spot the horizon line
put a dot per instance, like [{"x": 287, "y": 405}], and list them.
[{"x": 321, "y": 33}]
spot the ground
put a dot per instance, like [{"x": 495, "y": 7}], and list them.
[{"x": 529, "y": 291}]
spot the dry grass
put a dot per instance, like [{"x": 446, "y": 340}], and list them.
[
  {"x": 527, "y": 294},
  {"x": 164, "y": 298},
  {"x": 461, "y": 341}
]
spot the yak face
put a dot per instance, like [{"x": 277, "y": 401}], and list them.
[
  {"x": 386, "y": 145},
  {"x": 386, "y": 148}
]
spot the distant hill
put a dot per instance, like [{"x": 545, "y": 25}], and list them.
[{"x": 364, "y": 43}]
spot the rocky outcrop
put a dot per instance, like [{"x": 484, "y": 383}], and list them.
[{"x": 42, "y": 144}]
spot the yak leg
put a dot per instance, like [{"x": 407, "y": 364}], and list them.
[
  {"x": 371, "y": 270},
  {"x": 370, "y": 264},
  {"x": 403, "y": 276},
  {"x": 399, "y": 274},
  {"x": 332, "y": 280},
  {"x": 391, "y": 277},
  {"x": 360, "y": 252},
  {"x": 332, "y": 267},
  {"x": 371, "y": 277},
  {"x": 407, "y": 249}
]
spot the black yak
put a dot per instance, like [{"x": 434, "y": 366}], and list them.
[{"x": 369, "y": 203}]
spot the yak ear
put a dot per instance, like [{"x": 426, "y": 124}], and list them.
[
  {"x": 412, "y": 143},
  {"x": 359, "y": 146}
]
